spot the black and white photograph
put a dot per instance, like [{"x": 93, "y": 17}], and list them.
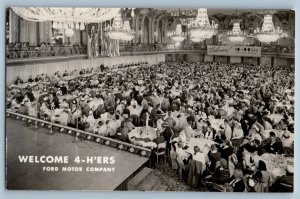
[{"x": 150, "y": 99}]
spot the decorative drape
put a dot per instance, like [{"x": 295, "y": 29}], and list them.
[
  {"x": 110, "y": 47},
  {"x": 92, "y": 45}
]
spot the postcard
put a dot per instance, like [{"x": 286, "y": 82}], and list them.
[{"x": 150, "y": 99}]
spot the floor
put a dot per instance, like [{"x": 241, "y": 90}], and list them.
[{"x": 24, "y": 140}]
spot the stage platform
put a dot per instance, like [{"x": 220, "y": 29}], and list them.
[{"x": 23, "y": 140}]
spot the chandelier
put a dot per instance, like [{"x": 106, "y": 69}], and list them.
[
  {"x": 69, "y": 32},
  {"x": 119, "y": 30},
  {"x": 68, "y": 27},
  {"x": 178, "y": 35},
  {"x": 268, "y": 33},
  {"x": 66, "y": 18},
  {"x": 201, "y": 27},
  {"x": 128, "y": 33},
  {"x": 236, "y": 35}
]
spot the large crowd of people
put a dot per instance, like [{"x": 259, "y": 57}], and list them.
[{"x": 227, "y": 127}]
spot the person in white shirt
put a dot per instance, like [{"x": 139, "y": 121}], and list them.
[
  {"x": 200, "y": 127},
  {"x": 253, "y": 134},
  {"x": 102, "y": 130},
  {"x": 181, "y": 154},
  {"x": 112, "y": 124},
  {"x": 266, "y": 124},
  {"x": 120, "y": 107},
  {"x": 90, "y": 120},
  {"x": 237, "y": 134},
  {"x": 200, "y": 156},
  {"x": 189, "y": 132},
  {"x": 287, "y": 140},
  {"x": 227, "y": 130}
]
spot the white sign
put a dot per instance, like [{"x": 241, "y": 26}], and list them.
[{"x": 243, "y": 51}]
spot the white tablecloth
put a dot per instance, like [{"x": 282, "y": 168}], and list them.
[
  {"x": 143, "y": 136},
  {"x": 204, "y": 145}
]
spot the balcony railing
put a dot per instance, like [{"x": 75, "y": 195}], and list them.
[{"x": 23, "y": 52}]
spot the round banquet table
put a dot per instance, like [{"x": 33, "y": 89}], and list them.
[
  {"x": 143, "y": 136},
  {"x": 276, "y": 164}
]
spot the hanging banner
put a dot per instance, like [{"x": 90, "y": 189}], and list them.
[
  {"x": 242, "y": 51},
  {"x": 92, "y": 44}
]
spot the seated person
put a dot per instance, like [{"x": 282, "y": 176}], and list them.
[
  {"x": 286, "y": 182},
  {"x": 182, "y": 155},
  {"x": 189, "y": 131},
  {"x": 273, "y": 144},
  {"x": 287, "y": 141},
  {"x": 237, "y": 134},
  {"x": 18, "y": 80},
  {"x": 102, "y": 129},
  {"x": 23, "y": 109},
  {"x": 159, "y": 140},
  {"x": 214, "y": 156},
  {"x": 248, "y": 162},
  {"x": 254, "y": 133},
  {"x": 221, "y": 174},
  {"x": 237, "y": 184},
  {"x": 200, "y": 157},
  {"x": 30, "y": 80},
  {"x": 226, "y": 150},
  {"x": 254, "y": 146},
  {"x": 259, "y": 186},
  {"x": 265, "y": 174},
  {"x": 267, "y": 125}
]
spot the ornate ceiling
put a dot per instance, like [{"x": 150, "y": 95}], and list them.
[{"x": 224, "y": 17}]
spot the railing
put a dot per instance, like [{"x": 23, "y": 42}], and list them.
[
  {"x": 144, "y": 47},
  {"x": 277, "y": 49},
  {"x": 44, "y": 51},
  {"x": 191, "y": 46},
  {"x": 51, "y": 51},
  {"x": 79, "y": 133}
]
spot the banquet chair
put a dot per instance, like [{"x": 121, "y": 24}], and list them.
[
  {"x": 160, "y": 151},
  {"x": 168, "y": 149}
]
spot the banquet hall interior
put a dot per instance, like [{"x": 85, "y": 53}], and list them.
[{"x": 181, "y": 99}]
